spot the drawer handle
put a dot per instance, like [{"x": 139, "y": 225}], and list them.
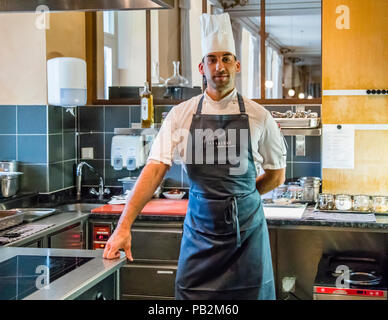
[{"x": 164, "y": 272}]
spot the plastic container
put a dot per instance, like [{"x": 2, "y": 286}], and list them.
[{"x": 128, "y": 183}]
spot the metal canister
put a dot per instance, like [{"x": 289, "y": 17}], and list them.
[
  {"x": 310, "y": 188},
  {"x": 8, "y": 166}
]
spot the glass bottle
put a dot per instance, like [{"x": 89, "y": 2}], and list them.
[
  {"x": 176, "y": 79},
  {"x": 146, "y": 107},
  {"x": 157, "y": 80}
]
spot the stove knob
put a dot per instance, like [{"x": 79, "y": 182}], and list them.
[
  {"x": 373, "y": 91},
  {"x": 378, "y": 91},
  {"x": 384, "y": 91},
  {"x": 368, "y": 91}
]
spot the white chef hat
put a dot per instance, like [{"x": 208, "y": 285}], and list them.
[{"x": 216, "y": 33}]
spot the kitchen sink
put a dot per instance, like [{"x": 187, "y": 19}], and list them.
[{"x": 78, "y": 207}]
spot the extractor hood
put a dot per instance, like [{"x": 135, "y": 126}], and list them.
[{"x": 82, "y": 5}]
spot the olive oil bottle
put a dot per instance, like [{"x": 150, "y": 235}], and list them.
[{"x": 147, "y": 107}]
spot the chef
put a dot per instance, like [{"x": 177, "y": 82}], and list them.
[{"x": 223, "y": 140}]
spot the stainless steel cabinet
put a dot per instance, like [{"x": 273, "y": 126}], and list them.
[
  {"x": 70, "y": 237},
  {"x": 142, "y": 281},
  {"x": 34, "y": 244},
  {"x": 155, "y": 248},
  {"x": 156, "y": 241}
]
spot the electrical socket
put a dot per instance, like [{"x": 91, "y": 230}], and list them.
[
  {"x": 288, "y": 284},
  {"x": 87, "y": 153}
]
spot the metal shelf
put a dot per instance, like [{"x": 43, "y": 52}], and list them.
[{"x": 302, "y": 131}]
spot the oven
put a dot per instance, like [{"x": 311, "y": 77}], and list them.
[
  {"x": 100, "y": 231},
  {"x": 350, "y": 277}
]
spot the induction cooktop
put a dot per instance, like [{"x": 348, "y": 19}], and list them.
[{"x": 22, "y": 275}]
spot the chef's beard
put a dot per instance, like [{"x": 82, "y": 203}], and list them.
[{"x": 221, "y": 85}]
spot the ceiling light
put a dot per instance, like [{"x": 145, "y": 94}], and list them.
[
  {"x": 301, "y": 95},
  {"x": 310, "y": 97},
  {"x": 269, "y": 84},
  {"x": 291, "y": 92}
]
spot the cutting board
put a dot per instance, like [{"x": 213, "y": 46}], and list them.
[
  {"x": 153, "y": 207},
  {"x": 291, "y": 213}
]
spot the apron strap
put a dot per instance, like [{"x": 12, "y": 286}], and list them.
[
  {"x": 232, "y": 209},
  {"x": 239, "y": 99}
]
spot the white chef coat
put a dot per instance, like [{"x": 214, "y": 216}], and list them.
[{"x": 268, "y": 149}]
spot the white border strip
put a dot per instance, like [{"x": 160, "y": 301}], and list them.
[
  {"x": 345, "y": 93},
  {"x": 362, "y": 126}
]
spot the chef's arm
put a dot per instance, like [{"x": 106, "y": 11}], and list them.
[
  {"x": 270, "y": 180},
  {"x": 148, "y": 181}
]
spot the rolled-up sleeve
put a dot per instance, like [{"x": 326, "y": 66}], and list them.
[
  {"x": 163, "y": 147},
  {"x": 271, "y": 145}
]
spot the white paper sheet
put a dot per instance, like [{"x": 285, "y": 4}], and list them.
[
  {"x": 283, "y": 213},
  {"x": 338, "y": 146}
]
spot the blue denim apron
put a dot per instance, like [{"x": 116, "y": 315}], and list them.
[{"x": 225, "y": 251}]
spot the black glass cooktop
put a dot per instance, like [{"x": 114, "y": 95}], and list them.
[{"x": 22, "y": 275}]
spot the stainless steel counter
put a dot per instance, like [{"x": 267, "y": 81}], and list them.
[
  {"x": 74, "y": 283},
  {"x": 60, "y": 220}
]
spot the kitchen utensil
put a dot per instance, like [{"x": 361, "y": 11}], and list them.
[
  {"x": 310, "y": 188},
  {"x": 174, "y": 196},
  {"x": 343, "y": 202},
  {"x": 361, "y": 203},
  {"x": 10, "y": 218},
  {"x": 9, "y": 183},
  {"x": 380, "y": 204},
  {"x": 326, "y": 201}
]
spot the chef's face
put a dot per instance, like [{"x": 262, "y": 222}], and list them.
[{"x": 220, "y": 70}]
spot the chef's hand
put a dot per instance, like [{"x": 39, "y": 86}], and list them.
[{"x": 120, "y": 239}]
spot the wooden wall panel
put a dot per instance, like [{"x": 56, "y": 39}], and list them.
[
  {"x": 355, "y": 58},
  {"x": 66, "y": 35},
  {"x": 370, "y": 173},
  {"x": 355, "y": 109}
]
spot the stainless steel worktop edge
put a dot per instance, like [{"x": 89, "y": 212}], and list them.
[{"x": 76, "y": 282}]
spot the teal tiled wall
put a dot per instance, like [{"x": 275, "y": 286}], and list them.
[{"x": 42, "y": 139}]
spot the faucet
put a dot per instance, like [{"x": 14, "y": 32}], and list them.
[{"x": 101, "y": 190}]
